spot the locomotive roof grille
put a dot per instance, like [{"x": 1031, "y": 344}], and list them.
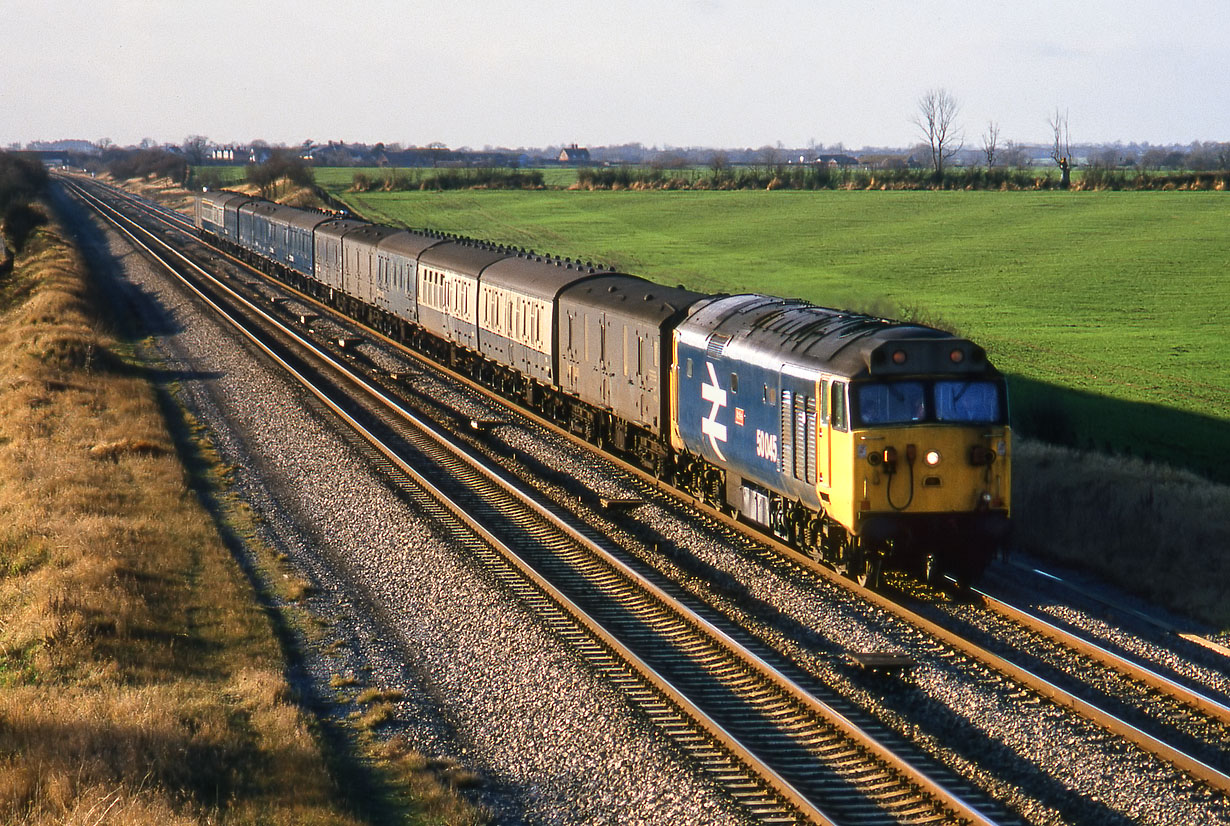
[{"x": 717, "y": 343}]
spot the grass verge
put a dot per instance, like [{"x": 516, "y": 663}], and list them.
[
  {"x": 1152, "y": 530},
  {"x": 140, "y": 680}
]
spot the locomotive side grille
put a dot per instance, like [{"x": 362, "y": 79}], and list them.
[
  {"x": 811, "y": 440},
  {"x": 786, "y": 457},
  {"x": 800, "y": 437}
]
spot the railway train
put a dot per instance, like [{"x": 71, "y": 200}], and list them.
[{"x": 862, "y": 441}]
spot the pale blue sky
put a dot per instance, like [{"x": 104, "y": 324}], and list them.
[{"x": 661, "y": 72}]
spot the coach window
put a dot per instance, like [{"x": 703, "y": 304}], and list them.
[
  {"x": 838, "y": 407},
  {"x": 625, "y": 351}
]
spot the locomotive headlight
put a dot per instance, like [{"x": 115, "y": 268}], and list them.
[{"x": 932, "y": 458}]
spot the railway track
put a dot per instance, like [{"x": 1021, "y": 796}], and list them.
[
  {"x": 671, "y": 712},
  {"x": 1117, "y": 606},
  {"x": 747, "y": 721}
]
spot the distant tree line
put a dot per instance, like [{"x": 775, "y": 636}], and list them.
[
  {"x": 816, "y": 177},
  {"x": 448, "y": 178},
  {"x": 124, "y": 164},
  {"x": 22, "y": 179}
]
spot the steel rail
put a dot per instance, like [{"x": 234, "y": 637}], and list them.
[
  {"x": 1142, "y": 674},
  {"x": 1150, "y": 619}
]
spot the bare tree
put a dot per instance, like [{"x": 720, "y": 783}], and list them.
[
  {"x": 195, "y": 148},
  {"x": 1061, "y": 149},
  {"x": 770, "y": 156},
  {"x": 990, "y": 140},
  {"x": 937, "y": 110}
]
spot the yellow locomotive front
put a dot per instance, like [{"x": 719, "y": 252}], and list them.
[{"x": 923, "y": 472}]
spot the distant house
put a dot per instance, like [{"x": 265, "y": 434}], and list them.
[
  {"x": 574, "y": 154},
  {"x": 837, "y": 161},
  {"x": 235, "y": 155}
]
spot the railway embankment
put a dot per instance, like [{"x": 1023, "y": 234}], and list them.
[{"x": 141, "y": 679}]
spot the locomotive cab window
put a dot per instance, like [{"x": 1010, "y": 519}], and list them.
[
  {"x": 837, "y": 406},
  {"x": 895, "y": 402},
  {"x": 968, "y": 401}
]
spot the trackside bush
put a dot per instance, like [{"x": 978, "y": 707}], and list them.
[
  {"x": 22, "y": 177},
  {"x": 447, "y": 179},
  {"x": 126, "y": 164}
]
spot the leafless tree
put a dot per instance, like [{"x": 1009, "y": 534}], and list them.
[
  {"x": 990, "y": 139},
  {"x": 937, "y": 110},
  {"x": 1061, "y": 149},
  {"x": 1013, "y": 154},
  {"x": 770, "y": 156},
  {"x": 194, "y": 148}
]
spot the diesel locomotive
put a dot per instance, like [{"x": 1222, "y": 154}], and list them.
[{"x": 862, "y": 441}]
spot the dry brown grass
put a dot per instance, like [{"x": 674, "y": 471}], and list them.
[
  {"x": 163, "y": 190},
  {"x": 285, "y": 192},
  {"x": 432, "y": 784},
  {"x": 1158, "y": 532},
  {"x": 379, "y": 695},
  {"x": 139, "y": 680}
]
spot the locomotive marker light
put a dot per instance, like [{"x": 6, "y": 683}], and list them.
[{"x": 889, "y": 458}]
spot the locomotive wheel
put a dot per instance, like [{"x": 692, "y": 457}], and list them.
[{"x": 867, "y": 569}]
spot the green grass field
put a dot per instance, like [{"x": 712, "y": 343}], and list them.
[{"x": 1108, "y": 310}]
